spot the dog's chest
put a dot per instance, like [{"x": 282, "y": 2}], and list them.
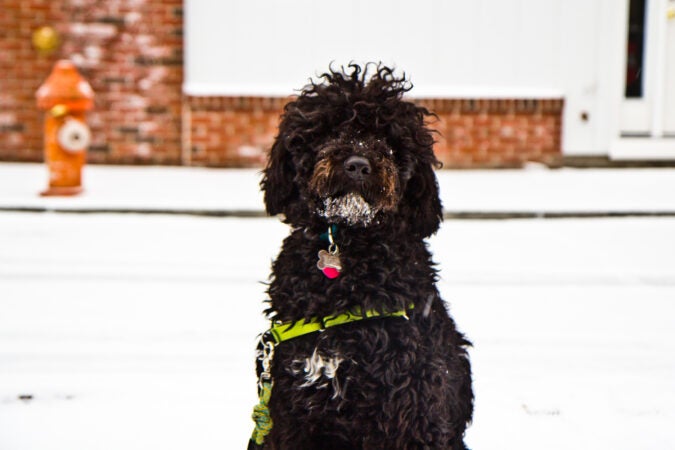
[
  {"x": 319, "y": 371},
  {"x": 374, "y": 274},
  {"x": 330, "y": 368}
]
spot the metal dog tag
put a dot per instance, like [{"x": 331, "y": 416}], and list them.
[{"x": 329, "y": 263}]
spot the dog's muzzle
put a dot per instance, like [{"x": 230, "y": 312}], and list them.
[
  {"x": 351, "y": 209},
  {"x": 353, "y": 189}
]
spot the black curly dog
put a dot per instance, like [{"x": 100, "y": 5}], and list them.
[{"x": 353, "y": 156}]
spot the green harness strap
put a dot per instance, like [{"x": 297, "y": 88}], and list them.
[
  {"x": 284, "y": 331},
  {"x": 280, "y": 332}
]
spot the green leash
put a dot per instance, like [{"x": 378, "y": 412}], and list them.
[
  {"x": 281, "y": 332},
  {"x": 261, "y": 415}
]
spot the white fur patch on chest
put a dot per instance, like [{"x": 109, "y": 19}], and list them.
[{"x": 319, "y": 371}]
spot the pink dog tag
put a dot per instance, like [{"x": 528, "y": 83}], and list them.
[{"x": 329, "y": 264}]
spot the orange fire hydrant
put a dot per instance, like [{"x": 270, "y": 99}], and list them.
[{"x": 65, "y": 96}]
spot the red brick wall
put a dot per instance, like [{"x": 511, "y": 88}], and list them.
[
  {"x": 231, "y": 131},
  {"x": 497, "y": 133},
  {"x": 131, "y": 53},
  {"x": 472, "y": 133}
]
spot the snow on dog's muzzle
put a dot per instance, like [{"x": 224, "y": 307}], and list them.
[{"x": 351, "y": 209}]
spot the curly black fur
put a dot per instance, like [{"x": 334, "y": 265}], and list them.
[{"x": 385, "y": 383}]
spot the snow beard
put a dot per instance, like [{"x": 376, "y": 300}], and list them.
[{"x": 351, "y": 209}]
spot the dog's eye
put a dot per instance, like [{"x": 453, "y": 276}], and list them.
[
  {"x": 384, "y": 148},
  {"x": 387, "y": 151}
]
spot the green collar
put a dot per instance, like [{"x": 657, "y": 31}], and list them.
[{"x": 280, "y": 332}]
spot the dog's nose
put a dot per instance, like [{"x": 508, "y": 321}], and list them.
[{"x": 357, "y": 167}]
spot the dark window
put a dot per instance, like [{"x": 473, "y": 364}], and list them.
[{"x": 635, "y": 50}]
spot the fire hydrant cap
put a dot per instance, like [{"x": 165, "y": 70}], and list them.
[{"x": 65, "y": 86}]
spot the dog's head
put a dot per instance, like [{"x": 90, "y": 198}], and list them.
[{"x": 351, "y": 151}]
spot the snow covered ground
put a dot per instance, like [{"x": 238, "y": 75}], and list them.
[
  {"x": 137, "y": 332},
  {"x": 535, "y": 190}
]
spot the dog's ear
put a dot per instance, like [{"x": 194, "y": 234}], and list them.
[
  {"x": 421, "y": 205},
  {"x": 278, "y": 179}
]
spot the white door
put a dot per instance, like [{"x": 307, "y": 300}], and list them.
[
  {"x": 648, "y": 107},
  {"x": 647, "y": 112}
]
